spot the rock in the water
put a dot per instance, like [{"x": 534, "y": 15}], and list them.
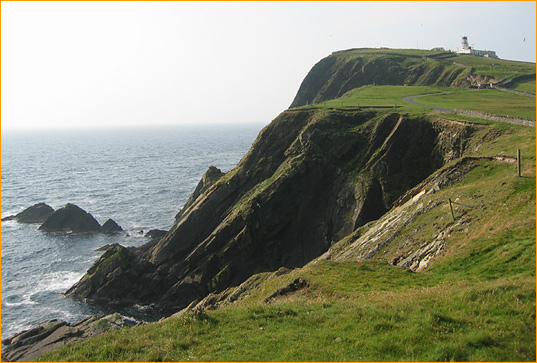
[
  {"x": 156, "y": 233},
  {"x": 29, "y": 344},
  {"x": 102, "y": 248},
  {"x": 37, "y": 213},
  {"x": 110, "y": 226},
  {"x": 70, "y": 218}
]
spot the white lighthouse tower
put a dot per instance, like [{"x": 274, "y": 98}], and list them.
[{"x": 465, "y": 47}]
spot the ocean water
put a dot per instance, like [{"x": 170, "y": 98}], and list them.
[{"x": 139, "y": 177}]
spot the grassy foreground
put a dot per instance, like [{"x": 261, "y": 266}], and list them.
[{"x": 476, "y": 302}]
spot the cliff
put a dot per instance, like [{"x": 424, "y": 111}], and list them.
[
  {"x": 318, "y": 231},
  {"x": 311, "y": 178}
]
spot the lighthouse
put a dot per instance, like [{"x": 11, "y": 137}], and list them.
[
  {"x": 466, "y": 49},
  {"x": 464, "y": 44}
]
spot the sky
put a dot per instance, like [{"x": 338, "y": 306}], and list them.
[{"x": 127, "y": 64}]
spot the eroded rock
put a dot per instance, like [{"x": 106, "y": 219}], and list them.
[
  {"x": 29, "y": 344},
  {"x": 37, "y": 213},
  {"x": 70, "y": 218},
  {"x": 110, "y": 227}
]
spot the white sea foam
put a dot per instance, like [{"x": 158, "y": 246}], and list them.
[
  {"x": 16, "y": 300},
  {"x": 59, "y": 280}
]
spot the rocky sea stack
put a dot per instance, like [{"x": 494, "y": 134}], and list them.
[
  {"x": 37, "y": 213},
  {"x": 110, "y": 227},
  {"x": 70, "y": 218}
]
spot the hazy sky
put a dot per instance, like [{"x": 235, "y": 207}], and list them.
[{"x": 92, "y": 64}]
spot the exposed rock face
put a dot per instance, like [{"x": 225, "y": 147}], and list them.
[
  {"x": 119, "y": 277},
  {"x": 311, "y": 178},
  {"x": 110, "y": 226},
  {"x": 156, "y": 233},
  {"x": 27, "y": 345},
  {"x": 343, "y": 71},
  {"x": 37, "y": 213},
  {"x": 70, "y": 218},
  {"x": 379, "y": 237},
  {"x": 211, "y": 176}
]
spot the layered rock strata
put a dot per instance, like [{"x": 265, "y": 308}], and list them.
[
  {"x": 311, "y": 178},
  {"x": 27, "y": 345}
]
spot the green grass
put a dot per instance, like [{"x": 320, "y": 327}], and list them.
[
  {"x": 439, "y": 324},
  {"x": 498, "y": 68},
  {"x": 487, "y": 100},
  {"x": 390, "y": 98},
  {"x": 382, "y": 97},
  {"x": 476, "y": 302},
  {"x": 388, "y": 51},
  {"x": 524, "y": 86}
]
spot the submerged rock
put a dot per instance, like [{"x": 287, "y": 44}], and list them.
[
  {"x": 37, "y": 213},
  {"x": 29, "y": 344},
  {"x": 110, "y": 226},
  {"x": 70, "y": 218}
]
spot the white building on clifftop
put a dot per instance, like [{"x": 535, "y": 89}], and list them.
[{"x": 466, "y": 49}]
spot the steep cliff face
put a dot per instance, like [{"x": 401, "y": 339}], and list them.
[
  {"x": 341, "y": 72},
  {"x": 311, "y": 178}
]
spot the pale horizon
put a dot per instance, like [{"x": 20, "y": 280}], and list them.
[{"x": 129, "y": 64}]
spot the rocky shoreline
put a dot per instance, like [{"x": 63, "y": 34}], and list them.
[
  {"x": 29, "y": 344},
  {"x": 69, "y": 219}
]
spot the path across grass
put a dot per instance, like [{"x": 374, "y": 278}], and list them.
[{"x": 410, "y": 99}]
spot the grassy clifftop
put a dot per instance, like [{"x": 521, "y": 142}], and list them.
[{"x": 343, "y": 71}]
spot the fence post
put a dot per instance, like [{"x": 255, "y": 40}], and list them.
[
  {"x": 518, "y": 162},
  {"x": 451, "y": 208}
]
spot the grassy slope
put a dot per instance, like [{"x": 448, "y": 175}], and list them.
[
  {"x": 498, "y": 68},
  {"x": 525, "y": 86},
  {"x": 476, "y": 302}
]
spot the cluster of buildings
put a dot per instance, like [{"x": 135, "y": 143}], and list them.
[{"x": 466, "y": 49}]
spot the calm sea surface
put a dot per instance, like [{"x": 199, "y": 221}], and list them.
[{"x": 139, "y": 177}]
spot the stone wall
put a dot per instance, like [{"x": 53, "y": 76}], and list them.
[{"x": 496, "y": 118}]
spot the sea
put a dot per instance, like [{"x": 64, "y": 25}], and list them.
[{"x": 140, "y": 177}]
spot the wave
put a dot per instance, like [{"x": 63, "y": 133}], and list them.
[
  {"x": 17, "y": 300},
  {"x": 58, "y": 281}
]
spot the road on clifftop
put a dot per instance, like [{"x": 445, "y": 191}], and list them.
[{"x": 410, "y": 99}]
